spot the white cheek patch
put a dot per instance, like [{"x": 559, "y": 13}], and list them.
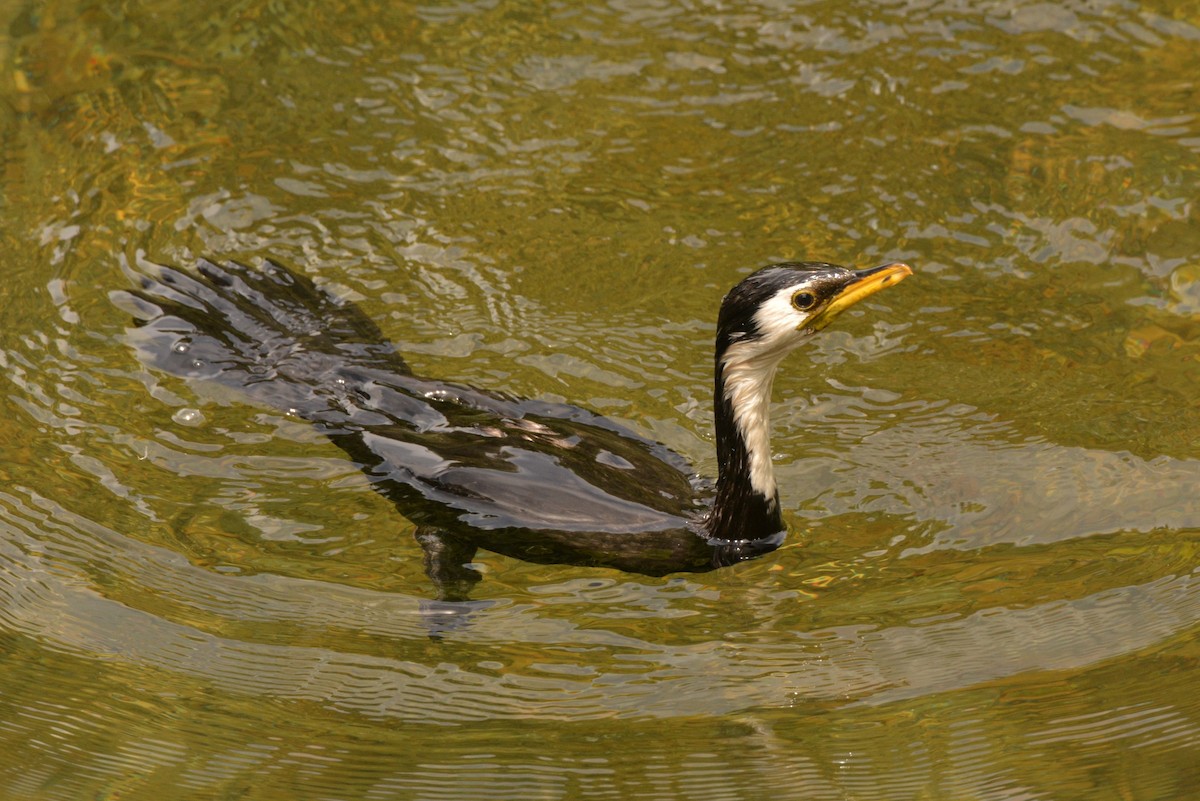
[
  {"x": 778, "y": 320},
  {"x": 749, "y": 372}
]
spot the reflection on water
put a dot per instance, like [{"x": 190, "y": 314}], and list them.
[
  {"x": 274, "y": 645},
  {"x": 990, "y": 586}
]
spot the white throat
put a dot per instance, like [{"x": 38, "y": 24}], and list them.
[
  {"x": 749, "y": 372},
  {"x": 748, "y": 389}
]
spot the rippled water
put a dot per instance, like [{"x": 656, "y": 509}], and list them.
[{"x": 990, "y": 588}]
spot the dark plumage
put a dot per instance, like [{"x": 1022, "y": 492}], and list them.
[{"x": 539, "y": 481}]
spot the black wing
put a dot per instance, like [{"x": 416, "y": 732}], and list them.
[{"x": 448, "y": 456}]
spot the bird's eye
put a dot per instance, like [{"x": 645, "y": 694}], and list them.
[{"x": 803, "y": 300}]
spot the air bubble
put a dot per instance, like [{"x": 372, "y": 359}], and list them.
[
  {"x": 181, "y": 347},
  {"x": 188, "y": 417}
]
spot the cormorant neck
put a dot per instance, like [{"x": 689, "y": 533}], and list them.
[{"x": 747, "y": 501}]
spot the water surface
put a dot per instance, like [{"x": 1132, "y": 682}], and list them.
[{"x": 990, "y": 473}]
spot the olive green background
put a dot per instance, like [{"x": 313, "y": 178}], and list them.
[{"x": 990, "y": 472}]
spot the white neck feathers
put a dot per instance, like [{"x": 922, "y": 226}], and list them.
[
  {"x": 748, "y": 390},
  {"x": 749, "y": 372}
]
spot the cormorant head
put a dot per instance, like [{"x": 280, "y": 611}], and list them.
[
  {"x": 776, "y": 307},
  {"x": 763, "y": 318}
]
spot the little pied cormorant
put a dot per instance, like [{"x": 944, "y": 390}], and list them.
[{"x": 540, "y": 481}]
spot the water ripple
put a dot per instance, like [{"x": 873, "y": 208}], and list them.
[
  {"x": 61, "y": 607},
  {"x": 989, "y": 589}
]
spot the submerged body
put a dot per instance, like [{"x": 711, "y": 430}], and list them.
[{"x": 538, "y": 481}]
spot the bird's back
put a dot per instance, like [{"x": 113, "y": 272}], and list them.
[{"x": 541, "y": 481}]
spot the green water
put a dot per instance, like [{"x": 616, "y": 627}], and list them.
[{"x": 990, "y": 473}]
